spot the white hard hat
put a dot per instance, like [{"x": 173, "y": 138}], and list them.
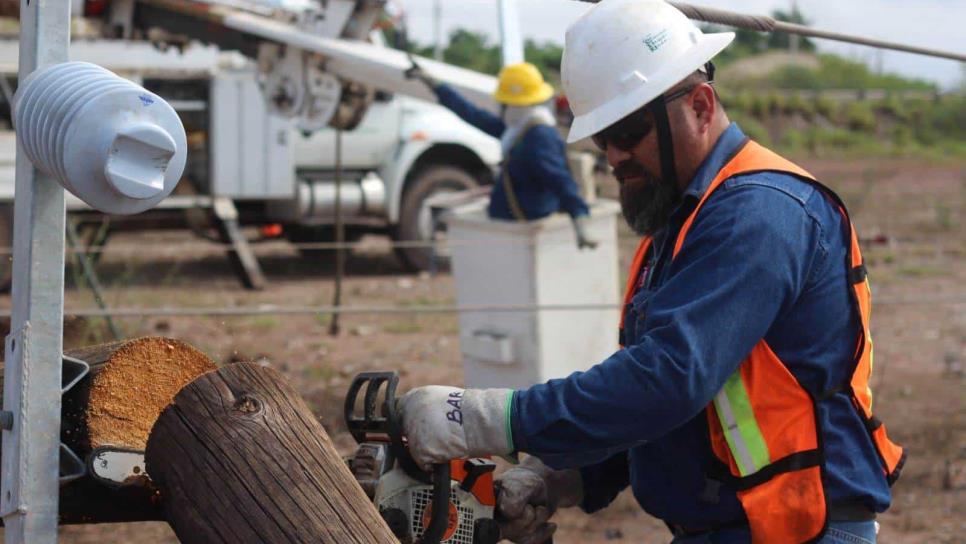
[{"x": 623, "y": 54}]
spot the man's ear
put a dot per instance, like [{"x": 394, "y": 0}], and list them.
[{"x": 704, "y": 105}]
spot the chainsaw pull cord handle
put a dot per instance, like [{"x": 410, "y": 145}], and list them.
[{"x": 440, "y": 518}]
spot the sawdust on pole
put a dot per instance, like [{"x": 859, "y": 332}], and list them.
[{"x": 131, "y": 382}]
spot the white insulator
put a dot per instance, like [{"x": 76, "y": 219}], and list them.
[{"x": 113, "y": 144}]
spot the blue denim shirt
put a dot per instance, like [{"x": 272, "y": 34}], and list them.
[
  {"x": 538, "y": 165},
  {"x": 764, "y": 259}
]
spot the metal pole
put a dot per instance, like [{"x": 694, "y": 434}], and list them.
[
  {"x": 437, "y": 30},
  {"x": 511, "y": 41},
  {"x": 34, "y": 348},
  {"x": 339, "y": 235}
]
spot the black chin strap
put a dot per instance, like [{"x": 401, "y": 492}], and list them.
[{"x": 664, "y": 143}]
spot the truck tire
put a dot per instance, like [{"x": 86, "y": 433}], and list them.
[
  {"x": 414, "y": 216},
  {"x": 6, "y": 242}
]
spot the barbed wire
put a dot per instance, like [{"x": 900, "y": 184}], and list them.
[
  {"x": 275, "y": 309},
  {"x": 212, "y": 246}
]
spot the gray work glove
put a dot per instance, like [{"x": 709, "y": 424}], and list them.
[
  {"x": 580, "y": 229},
  {"x": 528, "y": 495},
  {"x": 416, "y": 72},
  {"x": 445, "y": 423}
]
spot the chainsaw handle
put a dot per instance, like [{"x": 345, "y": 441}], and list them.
[{"x": 440, "y": 518}]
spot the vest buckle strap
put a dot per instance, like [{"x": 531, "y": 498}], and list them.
[
  {"x": 872, "y": 423},
  {"x": 682, "y": 531},
  {"x": 825, "y": 395},
  {"x": 858, "y": 274},
  {"x": 793, "y": 462},
  {"x": 685, "y": 531},
  {"x": 894, "y": 475}
]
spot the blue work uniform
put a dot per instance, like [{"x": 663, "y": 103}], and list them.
[
  {"x": 538, "y": 168},
  {"x": 762, "y": 260}
]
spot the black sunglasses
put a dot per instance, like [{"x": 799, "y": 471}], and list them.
[{"x": 626, "y": 133}]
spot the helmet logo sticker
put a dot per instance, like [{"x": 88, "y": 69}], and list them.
[{"x": 656, "y": 40}]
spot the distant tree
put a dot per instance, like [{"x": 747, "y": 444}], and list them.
[
  {"x": 471, "y": 50},
  {"x": 546, "y": 57},
  {"x": 747, "y": 43},
  {"x": 751, "y": 42},
  {"x": 781, "y": 40}
]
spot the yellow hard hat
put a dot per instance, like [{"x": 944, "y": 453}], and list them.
[{"x": 522, "y": 85}]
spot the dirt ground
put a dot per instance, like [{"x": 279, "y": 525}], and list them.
[{"x": 909, "y": 213}]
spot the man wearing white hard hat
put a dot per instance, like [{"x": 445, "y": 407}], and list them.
[{"x": 738, "y": 406}]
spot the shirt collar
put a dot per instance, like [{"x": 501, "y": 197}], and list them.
[{"x": 725, "y": 148}]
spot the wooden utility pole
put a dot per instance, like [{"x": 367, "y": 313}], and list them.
[{"x": 239, "y": 458}]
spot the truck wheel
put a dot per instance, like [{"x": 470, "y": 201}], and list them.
[
  {"x": 415, "y": 221},
  {"x": 6, "y": 242}
]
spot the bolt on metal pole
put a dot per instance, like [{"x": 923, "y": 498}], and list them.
[{"x": 34, "y": 348}]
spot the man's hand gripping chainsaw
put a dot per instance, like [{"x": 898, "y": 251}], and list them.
[{"x": 453, "y": 502}]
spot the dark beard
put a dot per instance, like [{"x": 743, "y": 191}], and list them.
[{"x": 646, "y": 206}]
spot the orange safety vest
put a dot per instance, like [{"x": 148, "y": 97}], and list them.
[{"x": 763, "y": 423}]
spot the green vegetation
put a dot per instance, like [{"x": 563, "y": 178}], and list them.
[
  {"x": 474, "y": 51},
  {"x": 265, "y": 322},
  {"x": 835, "y": 72},
  {"x": 403, "y": 327},
  {"x": 923, "y": 271},
  {"x": 945, "y": 219},
  {"x": 829, "y": 105}
]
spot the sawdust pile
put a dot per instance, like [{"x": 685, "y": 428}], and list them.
[{"x": 137, "y": 382}]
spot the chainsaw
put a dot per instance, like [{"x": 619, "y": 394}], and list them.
[{"x": 453, "y": 503}]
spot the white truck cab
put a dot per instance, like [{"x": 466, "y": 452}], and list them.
[{"x": 403, "y": 151}]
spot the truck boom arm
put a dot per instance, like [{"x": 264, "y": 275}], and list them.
[{"x": 311, "y": 68}]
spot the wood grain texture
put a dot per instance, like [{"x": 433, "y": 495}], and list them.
[{"x": 239, "y": 458}]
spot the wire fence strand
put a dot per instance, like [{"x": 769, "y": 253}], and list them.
[
  {"x": 274, "y": 309},
  {"x": 277, "y": 243}
]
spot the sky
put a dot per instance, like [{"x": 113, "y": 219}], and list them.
[{"x": 929, "y": 23}]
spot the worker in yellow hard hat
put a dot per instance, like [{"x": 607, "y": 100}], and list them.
[{"x": 534, "y": 180}]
